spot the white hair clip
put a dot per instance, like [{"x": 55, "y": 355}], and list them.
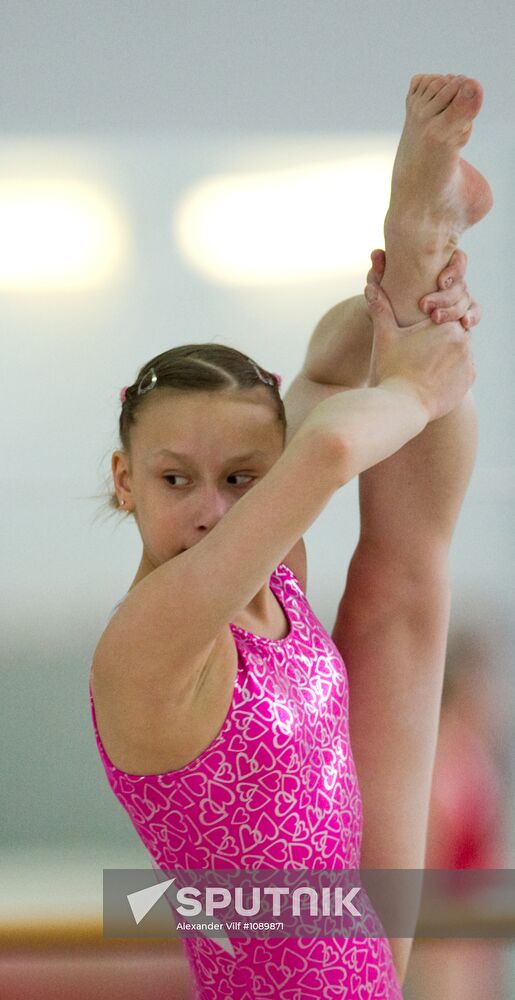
[
  {"x": 274, "y": 380},
  {"x": 146, "y": 388}
]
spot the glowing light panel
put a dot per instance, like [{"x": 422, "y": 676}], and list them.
[
  {"x": 58, "y": 235},
  {"x": 288, "y": 225}
]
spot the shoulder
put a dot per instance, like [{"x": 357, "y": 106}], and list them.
[{"x": 296, "y": 560}]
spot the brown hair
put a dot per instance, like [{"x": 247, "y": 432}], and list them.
[{"x": 194, "y": 368}]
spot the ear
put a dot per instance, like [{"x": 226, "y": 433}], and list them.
[{"x": 119, "y": 469}]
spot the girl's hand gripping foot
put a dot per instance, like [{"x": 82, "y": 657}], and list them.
[{"x": 452, "y": 301}]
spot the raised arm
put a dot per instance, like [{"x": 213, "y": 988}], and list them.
[{"x": 169, "y": 621}]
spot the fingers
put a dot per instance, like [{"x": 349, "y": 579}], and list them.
[
  {"x": 455, "y": 270},
  {"x": 472, "y": 317},
  {"x": 467, "y": 311},
  {"x": 375, "y": 275},
  {"x": 380, "y": 310},
  {"x": 444, "y": 307},
  {"x": 445, "y": 299},
  {"x": 373, "y": 278},
  {"x": 454, "y": 304}
]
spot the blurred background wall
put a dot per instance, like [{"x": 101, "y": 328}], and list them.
[{"x": 136, "y": 104}]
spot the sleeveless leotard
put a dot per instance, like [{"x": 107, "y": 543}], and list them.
[{"x": 277, "y": 788}]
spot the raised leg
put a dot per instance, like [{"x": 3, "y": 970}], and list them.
[{"x": 392, "y": 622}]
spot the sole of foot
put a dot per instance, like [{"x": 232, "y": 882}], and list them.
[{"x": 431, "y": 182}]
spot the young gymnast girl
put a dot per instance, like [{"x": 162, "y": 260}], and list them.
[{"x": 220, "y": 704}]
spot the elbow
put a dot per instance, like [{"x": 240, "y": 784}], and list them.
[
  {"x": 329, "y": 451},
  {"x": 338, "y": 456}
]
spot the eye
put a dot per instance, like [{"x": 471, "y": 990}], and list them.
[
  {"x": 241, "y": 475},
  {"x": 174, "y": 475}
]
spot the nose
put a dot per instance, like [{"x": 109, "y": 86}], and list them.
[{"x": 212, "y": 505}]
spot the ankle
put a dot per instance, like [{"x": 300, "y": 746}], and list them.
[{"x": 427, "y": 236}]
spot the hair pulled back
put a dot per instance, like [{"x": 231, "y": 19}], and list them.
[{"x": 194, "y": 368}]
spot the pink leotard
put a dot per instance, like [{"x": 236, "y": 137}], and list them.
[{"x": 277, "y": 788}]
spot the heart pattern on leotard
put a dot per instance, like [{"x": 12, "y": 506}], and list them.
[{"x": 277, "y": 788}]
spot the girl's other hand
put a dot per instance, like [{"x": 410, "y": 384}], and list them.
[{"x": 452, "y": 301}]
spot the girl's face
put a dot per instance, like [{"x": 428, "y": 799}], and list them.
[{"x": 193, "y": 455}]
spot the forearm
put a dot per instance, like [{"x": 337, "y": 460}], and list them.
[{"x": 371, "y": 423}]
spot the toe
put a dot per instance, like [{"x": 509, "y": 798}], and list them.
[
  {"x": 418, "y": 85},
  {"x": 435, "y": 86},
  {"x": 453, "y": 123},
  {"x": 414, "y": 83},
  {"x": 446, "y": 93},
  {"x": 469, "y": 98},
  {"x": 432, "y": 93},
  {"x": 424, "y": 84}
]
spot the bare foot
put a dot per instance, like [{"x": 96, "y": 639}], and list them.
[
  {"x": 431, "y": 185},
  {"x": 435, "y": 194}
]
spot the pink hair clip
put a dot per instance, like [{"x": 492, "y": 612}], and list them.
[
  {"x": 123, "y": 393},
  {"x": 278, "y": 379}
]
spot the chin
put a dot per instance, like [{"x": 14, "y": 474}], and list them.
[{"x": 171, "y": 555}]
